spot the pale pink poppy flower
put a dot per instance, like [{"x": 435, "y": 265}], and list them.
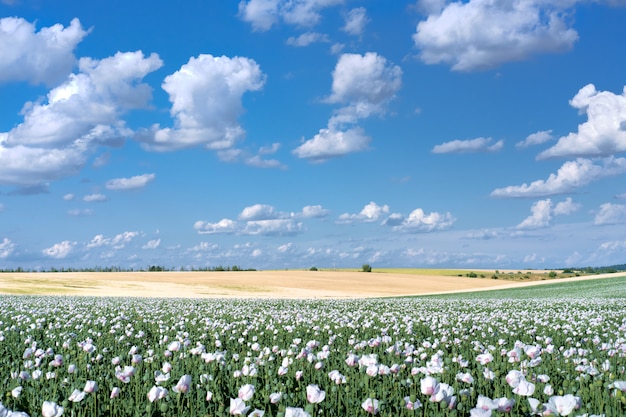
[
  {"x": 543, "y": 378},
  {"x": 370, "y": 405},
  {"x": 135, "y": 359},
  {"x": 28, "y": 352},
  {"x": 209, "y": 396},
  {"x": 535, "y": 406},
  {"x": 15, "y": 392},
  {"x": 504, "y": 405},
  {"x": 90, "y": 386},
  {"x": 372, "y": 370},
  {"x": 237, "y": 374},
  {"x": 314, "y": 394},
  {"x": 51, "y": 409},
  {"x": 160, "y": 377},
  {"x": 412, "y": 405},
  {"x": 352, "y": 360},
  {"x": 156, "y": 393},
  {"x": 77, "y": 396},
  {"x": 548, "y": 390},
  {"x": 465, "y": 377},
  {"x": 484, "y": 358},
  {"x": 275, "y": 397},
  {"x": 524, "y": 388},
  {"x": 298, "y": 375},
  {"x": 166, "y": 368},
  {"x": 174, "y": 346},
  {"x": 319, "y": 365},
  {"x": 619, "y": 385},
  {"x": 183, "y": 385},
  {"x": 246, "y": 392},
  {"x": 429, "y": 385},
  {"x": 282, "y": 370},
  {"x": 563, "y": 405},
  {"x": 256, "y": 413},
  {"x": 238, "y": 407},
  {"x": 489, "y": 374},
  {"x": 480, "y": 412},
  {"x": 115, "y": 392},
  {"x": 486, "y": 403},
  {"x": 384, "y": 370},
  {"x": 514, "y": 377},
  {"x": 296, "y": 412},
  {"x": 115, "y": 361},
  {"x": 444, "y": 393},
  {"x": 57, "y": 361}
]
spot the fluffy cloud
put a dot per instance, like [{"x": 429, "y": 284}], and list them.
[
  {"x": 55, "y": 137},
  {"x": 542, "y": 213},
  {"x": 117, "y": 242},
  {"x": 307, "y": 38},
  {"x": 44, "y": 56},
  {"x": 132, "y": 183},
  {"x": 59, "y": 250},
  {"x": 356, "y": 19},
  {"x": 419, "y": 221},
  {"x": 610, "y": 214},
  {"x": 152, "y": 244},
  {"x": 472, "y": 145},
  {"x": 206, "y": 98},
  {"x": 6, "y": 248},
  {"x": 94, "y": 198},
  {"x": 262, "y": 219},
  {"x": 535, "y": 139},
  {"x": 370, "y": 213},
  {"x": 331, "y": 143},
  {"x": 364, "y": 84},
  {"x": 604, "y": 132},
  {"x": 570, "y": 176},
  {"x": 477, "y": 35},
  {"x": 263, "y": 14}
]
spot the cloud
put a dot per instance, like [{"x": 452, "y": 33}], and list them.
[
  {"x": 283, "y": 227},
  {"x": 332, "y": 143},
  {"x": 263, "y": 14},
  {"x": 356, "y": 19},
  {"x": 365, "y": 84},
  {"x": 570, "y": 176},
  {"x": 307, "y": 38},
  {"x": 60, "y": 250},
  {"x": 152, "y": 244},
  {"x": 206, "y": 95},
  {"x": 604, "y": 132},
  {"x": 479, "y": 35},
  {"x": 610, "y": 214},
  {"x": 94, "y": 198},
  {"x": 419, "y": 221},
  {"x": 44, "y": 56},
  {"x": 613, "y": 246},
  {"x": 535, "y": 139},
  {"x": 542, "y": 213},
  {"x": 370, "y": 213},
  {"x": 6, "y": 248},
  {"x": 68, "y": 197},
  {"x": 317, "y": 211},
  {"x": 80, "y": 213},
  {"x": 261, "y": 212},
  {"x": 223, "y": 226},
  {"x": 132, "y": 183},
  {"x": 472, "y": 145},
  {"x": 55, "y": 137},
  {"x": 117, "y": 242}
]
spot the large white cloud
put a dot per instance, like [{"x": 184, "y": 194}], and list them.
[
  {"x": 55, "y": 137},
  {"x": 365, "y": 84},
  {"x": 481, "y": 34},
  {"x": 44, "y": 56},
  {"x": 472, "y": 145},
  {"x": 263, "y": 14},
  {"x": 6, "y": 248},
  {"x": 570, "y": 176},
  {"x": 370, "y": 213},
  {"x": 604, "y": 132},
  {"x": 60, "y": 250},
  {"x": 206, "y": 98}
]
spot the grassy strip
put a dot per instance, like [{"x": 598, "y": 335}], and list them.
[{"x": 614, "y": 287}]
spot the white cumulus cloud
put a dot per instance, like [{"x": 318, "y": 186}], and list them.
[
  {"x": 472, "y": 145},
  {"x": 610, "y": 214},
  {"x": 570, "y": 176},
  {"x": 419, "y": 221},
  {"x": 132, "y": 183},
  {"x": 223, "y": 226},
  {"x": 206, "y": 96},
  {"x": 44, "y": 56},
  {"x": 6, "y": 248},
  {"x": 92, "y": 198},
  {"x": 356, "y": 19},
  {"x": 543, "y": 211},
  {"x": 263, "y": 14},
  {"x": 59, "y": 250},
  {"x": 370, "y": 213},
  {"x": 604, "y": 132},
  {"x": 478, "y": 35},
  {"x": 536, "y": 138},
  {"x": 307, "y": 38}
]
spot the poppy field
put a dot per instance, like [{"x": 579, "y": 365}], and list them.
[{"x": 436, "y": 356}]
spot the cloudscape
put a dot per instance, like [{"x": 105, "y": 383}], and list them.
[{"x": 330, "y": 133}]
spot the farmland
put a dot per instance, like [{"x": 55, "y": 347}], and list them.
[{"x": 512, "y": 353}]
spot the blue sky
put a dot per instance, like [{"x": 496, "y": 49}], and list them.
[{"x": 289, "y": 134}]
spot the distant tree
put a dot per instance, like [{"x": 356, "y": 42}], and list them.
[
  {"x": 366, "y": 268},
  {"x": 313, "y": 268}
]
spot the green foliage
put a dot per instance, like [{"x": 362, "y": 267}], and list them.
[
  {"x": 313, "y": 268},
  {"x": 366, "y": 268}
]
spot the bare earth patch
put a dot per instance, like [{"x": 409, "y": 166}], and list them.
[{"x": 248, "y": 284}]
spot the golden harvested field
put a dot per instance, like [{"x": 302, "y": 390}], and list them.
[{"x": 257, "y": 284}]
